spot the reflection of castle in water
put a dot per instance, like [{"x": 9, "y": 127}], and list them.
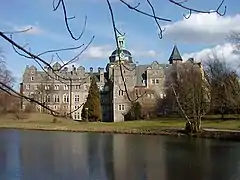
[
  {"x": 37, "y": 155},
  {"x": 136, "y": 157}
]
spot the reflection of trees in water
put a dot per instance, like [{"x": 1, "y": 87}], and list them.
[
  {"x": 135, "y": 157},
  {"x": 100, "y": 156},
  {"x": 108, "y": 162},
  {"x": 9, "y": 154},
  {"x": 201, "y": 159},
  {"x": 37, "y": 154},
  {"x": 138, "y": 157},
  {"x": 225, "y": 158},
  {"x": 97, "y": 156}
]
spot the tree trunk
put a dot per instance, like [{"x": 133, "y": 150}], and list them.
[{"x": 194, "y": 126}]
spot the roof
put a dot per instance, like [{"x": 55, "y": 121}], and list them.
[
  {"x": 126, "y": 52},
  {"x": 175, "y": 56}
]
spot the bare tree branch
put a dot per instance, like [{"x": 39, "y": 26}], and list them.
[
  {"x": 17, "y": 32},
  {"x": 177, "y": 3},
  {"x": 135, "y": 8},
  {"x": 66, "y": 19},
  {"x": 156, "y": 21},
  {"x": 180, "y": 4}
]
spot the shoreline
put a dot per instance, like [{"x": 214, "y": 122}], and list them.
[{"x": 164, "y": 131}]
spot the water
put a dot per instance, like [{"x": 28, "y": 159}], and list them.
[{"x": 36, "y": 155}]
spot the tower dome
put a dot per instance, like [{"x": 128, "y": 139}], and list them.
[{"x": 122, "y": 52}]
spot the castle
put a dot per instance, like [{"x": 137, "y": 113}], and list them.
[{"x": 66, "y": 89}]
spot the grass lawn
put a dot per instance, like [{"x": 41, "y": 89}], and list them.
[{"x": 45, "y": 122}]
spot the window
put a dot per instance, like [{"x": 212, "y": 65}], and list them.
[
  {"x": 56, "y": 87},
  {"x": 120, "y": 92},
  {"x": 121, "y": 107},
  {"x": 65, "y": 87},
  {"x": 47, "y": 87},
  {"x": 65, "y": 98},
  {"x": 153, "y": 81},
  {"x": 56, "y": 98},
  {"x": 76, "y": 98},
  {"x": 27, "y": 86},
  {"x": 32, "y": 78},
  {"x": 157, "y": 81},
  {"x": 137, "y": 92},
  {"x": 48, "y": 98},
  {"x": 77, "y": 115},
  {"x": 36, "y": 87},
  {"x": 78, "y": 86}
]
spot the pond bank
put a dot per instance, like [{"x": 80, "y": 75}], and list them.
[{"x": 103, "y": 128}]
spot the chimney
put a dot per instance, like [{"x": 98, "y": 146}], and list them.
[
  {"x": 91, "y": 69},
  {"x": 101, "y": 74}
]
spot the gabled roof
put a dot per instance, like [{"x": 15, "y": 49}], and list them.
[{"x": 175, "y": 56}]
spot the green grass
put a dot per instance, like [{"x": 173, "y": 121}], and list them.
[
  {"x": 45, "y": 122},
  {"x": 232, "y": 124}
]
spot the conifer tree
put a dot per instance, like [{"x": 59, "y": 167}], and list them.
[{"x": 92, "y": 108}]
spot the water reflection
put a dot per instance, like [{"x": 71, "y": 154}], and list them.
[{"x": 39, "y": 155}]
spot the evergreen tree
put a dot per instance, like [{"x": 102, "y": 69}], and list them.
[
  {"x": 92, "y": 108},
  {"x": 134, "y": 113}
]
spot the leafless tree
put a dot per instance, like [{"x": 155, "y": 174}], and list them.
[
  {"x": 7, "y": 102},
  {"x": 191, "y": 92},
  {"x": 234, "y": 38},
  {"x": 224, "y": 85}
]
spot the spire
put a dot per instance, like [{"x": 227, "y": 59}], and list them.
[{"x": 175, "y": 56}]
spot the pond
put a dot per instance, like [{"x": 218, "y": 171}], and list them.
[{"x": 38, "y": 155}]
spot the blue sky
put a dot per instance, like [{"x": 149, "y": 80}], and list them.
[{"x": 194, "y": 37}]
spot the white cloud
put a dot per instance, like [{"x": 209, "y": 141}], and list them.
[
  {"x": 203, "y": 28},
  {"x": 98, "y": 52},
  {"x": 225, "y": 51},
  {"x": 148, "y": 53},
  {"x": 104, "y": 51}
]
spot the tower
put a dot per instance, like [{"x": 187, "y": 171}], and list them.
[
  {"x": 122, "y": 53},
  {"x": 175, "y": 57}
]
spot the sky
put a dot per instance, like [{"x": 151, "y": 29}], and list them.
[{"x": 195, "y": 37}]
